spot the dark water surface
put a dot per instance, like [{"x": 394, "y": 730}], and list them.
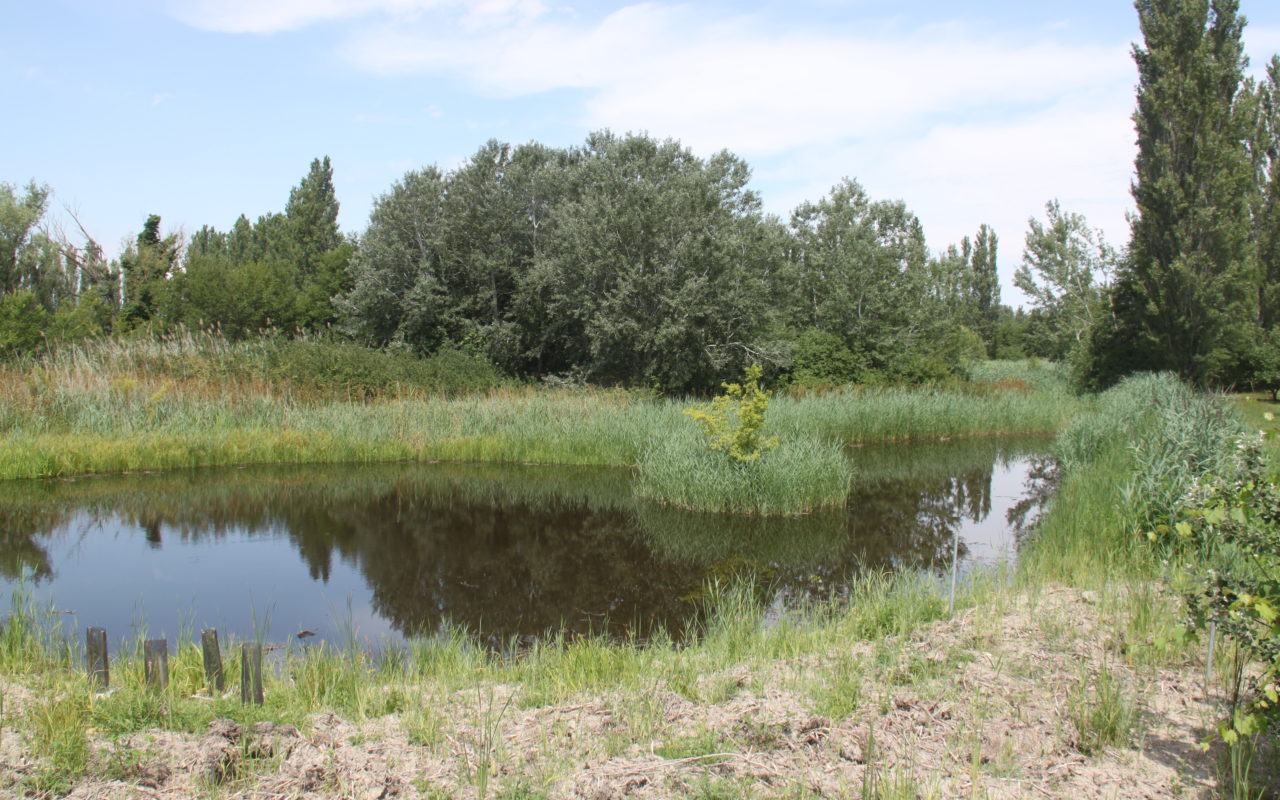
[{"x": 508, "y": 552}]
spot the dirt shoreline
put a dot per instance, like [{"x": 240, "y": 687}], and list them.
[{"x": 988, "y": 704}]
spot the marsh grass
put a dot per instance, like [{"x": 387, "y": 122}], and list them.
[
  {"x": 801, "y": 475},
  {"x": 199, "y": 400}
]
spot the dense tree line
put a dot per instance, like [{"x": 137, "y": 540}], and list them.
[{"x": 627, "y": 260}]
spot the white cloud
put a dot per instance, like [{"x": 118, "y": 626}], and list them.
[
  {"x": 720, "y": 84},
  {"x": 273, "y": 16}
]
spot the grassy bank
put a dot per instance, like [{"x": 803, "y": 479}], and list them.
[
  {"x": 198, "y": 401},
  {"x": 889, "y": 695}
]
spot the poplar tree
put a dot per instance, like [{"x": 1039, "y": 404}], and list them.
[
  {"x": 985, "y": 285},
  {"x": 1189, "y": 279},
  {"x": 311, "y": 218}
]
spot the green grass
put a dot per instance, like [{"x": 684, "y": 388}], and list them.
[
  {"x": 198, "y": 401},
  {"x": 802, "y": 474},
  {"x": 1103, "y": 714}
]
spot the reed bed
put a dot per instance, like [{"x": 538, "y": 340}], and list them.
[
  {"x": 801, "y": 475},
  {"x": 198, "y": 400},
  {"x": 1124, "y": 468}
]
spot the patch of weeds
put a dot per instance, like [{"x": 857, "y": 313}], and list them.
[
  {"x": 519, "y": 791},
  {"x": 123, "y": 763},
  {"x": 1102, "y": 713},
  {"x": 423, "y": 726},
  {"x": 133, "y": 710},
  {"x": 685, "y": 684},
  {"x": 715, "y": 787},
  {"x": 761, "y": 735},
  {"x": 643, "y": 715},
  {"x": 57, "y": 728},
  {"x": 428, "y": 791},
  {"x": 894, "y": 785},
  {"x": 916, "y": 668},
  {"x": 701, "y": 742},
  {"x": 720, "y": 690},
  {"x": 840, "y": 692}
]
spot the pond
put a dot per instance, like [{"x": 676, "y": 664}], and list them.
[{"x": 509, "y": 553}]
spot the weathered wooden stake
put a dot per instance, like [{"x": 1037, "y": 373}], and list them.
[
  {"x": 155, "y": 662},
  {"x": 212, "y": 660},
  {"x": 95, "y": 645},
  {"x": 251, "y": 674}
]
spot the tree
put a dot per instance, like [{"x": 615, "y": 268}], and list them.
[
  {"x": 860, "y": 274},
  {"x": 146, "y": 265},
  {"x": 1264, "y": 149},
  {"x": 19, "y": 217},
  {"x": 1188, "y": 282},
  {"x": 984, "y": 286},
  {"x": 397, "y": 294},
  {"x": 1065, "y": 270},
  {"x": 311, "y": 219},
  {"x": 22, "y": 322},
  {"x": 656, "y": 270}
]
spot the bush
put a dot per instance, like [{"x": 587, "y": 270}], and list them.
[
  {"x": 1232, "y": 527},
  {"x": 22, "y": 322},
  {"x": 364, "y": 372}
]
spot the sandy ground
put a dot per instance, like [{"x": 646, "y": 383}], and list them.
[{"x": 978, "y": 706}]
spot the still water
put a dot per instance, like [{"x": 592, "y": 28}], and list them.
[{"x": 507, "y": 552}]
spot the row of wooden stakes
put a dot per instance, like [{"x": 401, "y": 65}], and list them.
[{"x": 155, "y": 663}]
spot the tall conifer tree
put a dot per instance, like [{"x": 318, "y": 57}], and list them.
[{"x": 1190, "y": 267}]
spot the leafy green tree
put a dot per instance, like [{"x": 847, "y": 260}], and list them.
[
  {"x": 657, "y": 270},
  {"x": 823, "y": 359},
  {"x": 496, "y": 217},
  {"x": 1065, "y": 269},
  {"x": 861, "y": 272},
  {"x": 147, "y": 263},
  {"x": 311, "y": 219},
  {"x": 19, "y": 217},
  {"x": 22, "y": 322},
  {"x": 984, "y": 285},
  {"x": 1188, "y": 283},
  {"x": 397, "y": 295},
  {"x": 1264, "y": 367},
  {"x": 1264, "y": 149}
]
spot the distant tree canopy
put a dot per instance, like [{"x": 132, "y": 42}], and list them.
[
  {"x": 629, "y": 260},
  {"x": 282, "y": 272}
]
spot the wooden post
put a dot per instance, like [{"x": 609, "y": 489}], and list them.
[
  {"x": 251, "y": 674},
  {"x": 95, "y": 641},
  {"x": 155, "y": 662},
  {"x": 212, "y": 660}
]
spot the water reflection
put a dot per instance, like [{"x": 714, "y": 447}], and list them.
[{"x": 507, "y": 552}]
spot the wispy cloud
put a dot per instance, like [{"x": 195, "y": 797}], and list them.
[{"x": 274, "y": 16}]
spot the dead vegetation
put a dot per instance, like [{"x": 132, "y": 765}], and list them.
[{"x": 1031, "y": 696}]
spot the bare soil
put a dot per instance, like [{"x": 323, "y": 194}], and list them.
[{"x": 984, "y": 705}]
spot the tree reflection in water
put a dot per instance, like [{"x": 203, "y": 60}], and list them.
[{"x": 511, "y": 553}]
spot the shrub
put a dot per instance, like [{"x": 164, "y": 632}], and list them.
[{"x": 733, "y": 420}]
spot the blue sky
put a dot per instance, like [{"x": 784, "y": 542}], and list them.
[{"x": 200, "y": 110}]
